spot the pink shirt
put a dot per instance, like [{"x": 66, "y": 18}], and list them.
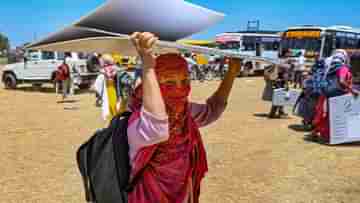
[
  {"x": 146, "y": 129},
  {"x": 345, "y": 74}
]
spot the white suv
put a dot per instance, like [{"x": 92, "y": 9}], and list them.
[{"x": 40, "y": 67}]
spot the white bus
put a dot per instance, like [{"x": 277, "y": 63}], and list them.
[
  {"x": 253, "y": 43},
  {"x": 322, "y": 41}
]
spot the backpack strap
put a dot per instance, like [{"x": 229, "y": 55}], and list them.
[
  {"x": 82, "y": 164},
  {"x": 119, "y": 127},
  {"x": 83, "y": 160}
]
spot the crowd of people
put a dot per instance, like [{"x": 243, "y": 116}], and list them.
[
  {"x": 202, "y": 68},
  {"x": 330, "y": 77},
  {"x": 166, "y": 152}
]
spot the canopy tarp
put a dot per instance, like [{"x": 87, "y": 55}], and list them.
[{"x": 207, "y": 43}]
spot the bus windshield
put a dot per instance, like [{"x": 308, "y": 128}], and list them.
[
  {"x": 308, "y": 40},
  {"x": 310, "y": 45}
]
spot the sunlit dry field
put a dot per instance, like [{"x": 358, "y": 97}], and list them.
[{"x": 251, "y": 158}]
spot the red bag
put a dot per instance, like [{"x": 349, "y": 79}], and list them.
[{"x": 63, "y": 72}]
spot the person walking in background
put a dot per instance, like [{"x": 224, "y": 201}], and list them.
[
  {"x": 276, "y": 77},
  {"x": 105, "y": 87},
  {"x": 299, "y": 70},
  {"x": 138, "y": 72},
  {"x": 191, "y": 65},
  {"x": 125, "y": 85},
  {"x": 73, "y": 71},
  {"x": 113, "y": 88},
  {"x": 93, "y": 62},
  {"x": 63, "y": 78},
  {"x": 339, "y": 82}
]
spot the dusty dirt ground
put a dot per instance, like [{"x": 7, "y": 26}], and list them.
[{"x": 251, "y": 159}]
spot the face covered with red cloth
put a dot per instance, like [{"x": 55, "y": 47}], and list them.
[
  {"x": 176, "y": 167},
  {"x": 173, "y": 76}
]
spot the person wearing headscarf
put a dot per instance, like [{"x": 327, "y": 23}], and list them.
[
  {"x": 276, "y": 77},
  {"x": 167, "y": 154},
  {"x": 305, "y": 106},
  {"x": 105, "y": 87},
  {"x": 340, "y": 83}
]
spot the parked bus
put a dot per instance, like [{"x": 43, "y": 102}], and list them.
[
  {"x": 322, "y": 41},
  {"x": 253, "y": 43}
]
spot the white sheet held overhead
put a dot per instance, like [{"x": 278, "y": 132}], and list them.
[
  {"x": 170, "y": 20},
  {"x": 106, "y": 29}
]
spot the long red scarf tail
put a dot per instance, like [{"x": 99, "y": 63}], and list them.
[
  {"x": 142, "y": 159},
  {"x": 321, "y": 120},
  {"x": 199, "y": 159},
  {"x": 200, "y": 170}
]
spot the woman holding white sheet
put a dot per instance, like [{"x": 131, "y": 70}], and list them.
[{"x": 167, "y": 155}]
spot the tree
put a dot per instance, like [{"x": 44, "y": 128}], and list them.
[{"x": 4, "y": 44}]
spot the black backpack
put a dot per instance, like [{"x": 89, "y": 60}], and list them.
[{"x": 104, "y": 164}]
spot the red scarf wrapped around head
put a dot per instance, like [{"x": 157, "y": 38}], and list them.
[{"x": 167, "y": 169}]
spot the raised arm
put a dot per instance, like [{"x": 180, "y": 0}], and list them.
[
  {"x": 223, "y": 91},
  {"x": 205, "y": 114},
  {"x": 152, "y": 99}
]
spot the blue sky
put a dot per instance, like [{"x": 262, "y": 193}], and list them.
[{"x": 22, "y": 21}]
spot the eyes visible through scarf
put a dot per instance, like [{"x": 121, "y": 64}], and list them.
[{"x": 175, "y": 82}]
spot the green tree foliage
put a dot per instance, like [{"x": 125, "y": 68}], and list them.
[{"x": 4, "y": 43}]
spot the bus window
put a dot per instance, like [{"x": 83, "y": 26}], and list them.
[
  {"x": 48, "y": 55},
  {"x": 358, "y": 41},
  {"x": 230, "y": 45},
  {"x": 276, "y": 46},
  {"x": 328, "y": 47},
  {"x": 351, "y": 41},
  {"x": 249, "y": 43},
  {"x": 33, "y": 55},
  {"x": 82, "y": 55},
  {"x": 271, "y": 46},
  {"x": 60, "y": 56},
  {"x": 345, "y": 40},
  {"x": 249, "y": 46},
  {"x": 270, "y": 43}
]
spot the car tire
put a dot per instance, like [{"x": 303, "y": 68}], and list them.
[
  {"x": 84, "y": 86},
  {"x": 247, "y": 69},
  {"x": 10, "y": 81},
  {"x": 244, "y": 73},
  {"x": 37, "y": 85}
]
